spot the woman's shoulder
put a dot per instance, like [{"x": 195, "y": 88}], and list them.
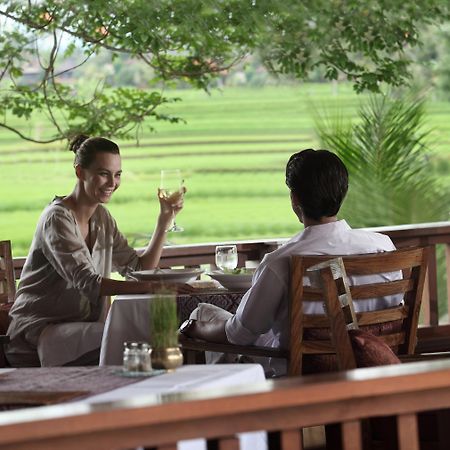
[
  {"x": 103, "y": 216},
  {"x": 56, "y": 208}
]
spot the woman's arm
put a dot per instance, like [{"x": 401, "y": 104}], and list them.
[
  {"x": 150, "y": 258},
  {"x": 117, "y": 287}
]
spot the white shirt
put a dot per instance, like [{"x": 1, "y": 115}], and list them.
[{"x": 262, "y": 316}]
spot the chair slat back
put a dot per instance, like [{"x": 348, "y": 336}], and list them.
[
  {"x": 397, "y": 326},
  {"x": 7, "y": 279}
]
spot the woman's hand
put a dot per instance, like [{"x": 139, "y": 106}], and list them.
[{"x": 172, "y": 205}]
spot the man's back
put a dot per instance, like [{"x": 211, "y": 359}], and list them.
[{"x": 262, "y": 316}]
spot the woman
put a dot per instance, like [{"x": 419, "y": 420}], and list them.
[{"x": 77, "y": 244}]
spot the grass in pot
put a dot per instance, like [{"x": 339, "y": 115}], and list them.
[{"x": 166, "y": 353}]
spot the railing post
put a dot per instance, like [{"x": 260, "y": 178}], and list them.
[
  {"x": 432, "y": 286},
  {"x": 447, "y": 274},
  {"x": 425, "y": 307}
]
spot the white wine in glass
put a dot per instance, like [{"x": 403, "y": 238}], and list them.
[{"x": 172, "y": 189}]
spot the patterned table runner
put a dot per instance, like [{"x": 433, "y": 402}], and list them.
[{"x": 46, "y": 385}]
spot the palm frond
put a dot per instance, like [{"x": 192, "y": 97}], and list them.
[{"x": 386, "y": 153}]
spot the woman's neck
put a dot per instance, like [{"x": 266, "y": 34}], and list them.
[{"x": 78, "y": 202}]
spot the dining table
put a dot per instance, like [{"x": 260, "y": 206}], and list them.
[
  {"x": 39, "y": 392},
  {"x": 129, "y": 317}
]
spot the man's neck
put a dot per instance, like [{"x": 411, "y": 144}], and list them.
[{"x": 308, "y": 222}]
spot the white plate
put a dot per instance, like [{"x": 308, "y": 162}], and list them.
[
  {"x": 167, "y": 275},
  {"x": 233, "y": 282}
]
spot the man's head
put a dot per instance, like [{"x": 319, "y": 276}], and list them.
[{"x": 318, "y": 181}]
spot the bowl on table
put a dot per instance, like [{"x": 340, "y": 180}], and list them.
[
  {"x": 234, "y": 280},
  {"x": 167, "y": 275}
]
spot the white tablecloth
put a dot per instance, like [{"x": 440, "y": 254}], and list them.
[
  {"x": 186, "y": 378},
  {"x": 190, "y": 379},
  {"x": 128, "y": 320}
]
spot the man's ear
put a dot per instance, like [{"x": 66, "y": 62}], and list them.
[
  {"x": 294, "y": 200},
  {"x": 296, "y": 207}
]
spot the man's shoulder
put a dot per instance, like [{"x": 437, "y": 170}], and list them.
[
  {"x": 279, "y": 258},
  {"x": 372, "y": 238}
]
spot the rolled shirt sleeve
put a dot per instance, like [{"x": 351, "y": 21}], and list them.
[{"x": 258, "y": 309}]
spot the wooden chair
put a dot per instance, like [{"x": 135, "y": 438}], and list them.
[
  {"x": 311, "y": 349},
  {"x": 7, "y": 293},
  {"x": 378, "y": 432}
]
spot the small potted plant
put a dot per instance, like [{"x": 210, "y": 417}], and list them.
[{"x": 166, "y": 353}]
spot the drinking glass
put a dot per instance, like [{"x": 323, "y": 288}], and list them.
[
  {"x": 172, "y": 189},
  {"x": 226, "y": 257}
]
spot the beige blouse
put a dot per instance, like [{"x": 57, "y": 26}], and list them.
[{"x": 61, "y": 279}]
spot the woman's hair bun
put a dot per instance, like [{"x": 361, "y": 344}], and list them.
[{"x": 76, "y": 142}]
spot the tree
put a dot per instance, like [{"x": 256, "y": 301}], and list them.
[
  {"x": 431, "y": 61},
  {"x": 194, "y": 41}
]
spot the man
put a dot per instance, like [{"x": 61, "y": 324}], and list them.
[{"x": 318, "y": 183}]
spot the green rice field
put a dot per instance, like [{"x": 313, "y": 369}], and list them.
[{"x": 232, "y": 151}]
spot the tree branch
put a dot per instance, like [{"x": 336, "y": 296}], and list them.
[{"x": 26, "y": 138}]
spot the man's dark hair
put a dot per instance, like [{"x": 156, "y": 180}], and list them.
[{"x": 320, "y": 181}]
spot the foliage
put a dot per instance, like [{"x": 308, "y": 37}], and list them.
[
  {"x": 194, "y": 41},
  {"x": 431, "y": 67},
  {"x": 164, "y": 321},
  {"x": 385, "y": 151}
]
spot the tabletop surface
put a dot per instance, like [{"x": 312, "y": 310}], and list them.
[
  {"x": 106, "y": 385},
  {"x": 133, "y": 393}
]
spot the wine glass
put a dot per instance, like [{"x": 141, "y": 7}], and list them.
[
  {"x": 172, "y": 189},
  {"x": 226, "y": 257}
]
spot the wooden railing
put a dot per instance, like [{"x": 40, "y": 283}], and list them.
[
  {"x": 281, "y": 407},
  {"x": 425, "y": 234}
]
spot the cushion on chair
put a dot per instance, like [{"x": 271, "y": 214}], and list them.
[
  {"x": 4, "y": 318},
  {"x": 366, "y": 343},
  {"x": 370, "y": 350}
]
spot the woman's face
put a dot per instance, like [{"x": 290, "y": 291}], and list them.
[{"x": 102, "y": 177}]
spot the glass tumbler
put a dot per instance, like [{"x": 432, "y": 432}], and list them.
[{"x": 226, "y": 257}]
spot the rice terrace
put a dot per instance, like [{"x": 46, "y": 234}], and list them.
[{"x": 232, "y": 149}]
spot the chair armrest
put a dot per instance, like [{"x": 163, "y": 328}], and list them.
[
  {"x": 433, "y": 339},
  {"x": 423, "y": 357},
  {"x": 250, "y": 350}
]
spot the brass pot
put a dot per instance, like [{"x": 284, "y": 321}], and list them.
[{"x": 167, "y": 358}]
